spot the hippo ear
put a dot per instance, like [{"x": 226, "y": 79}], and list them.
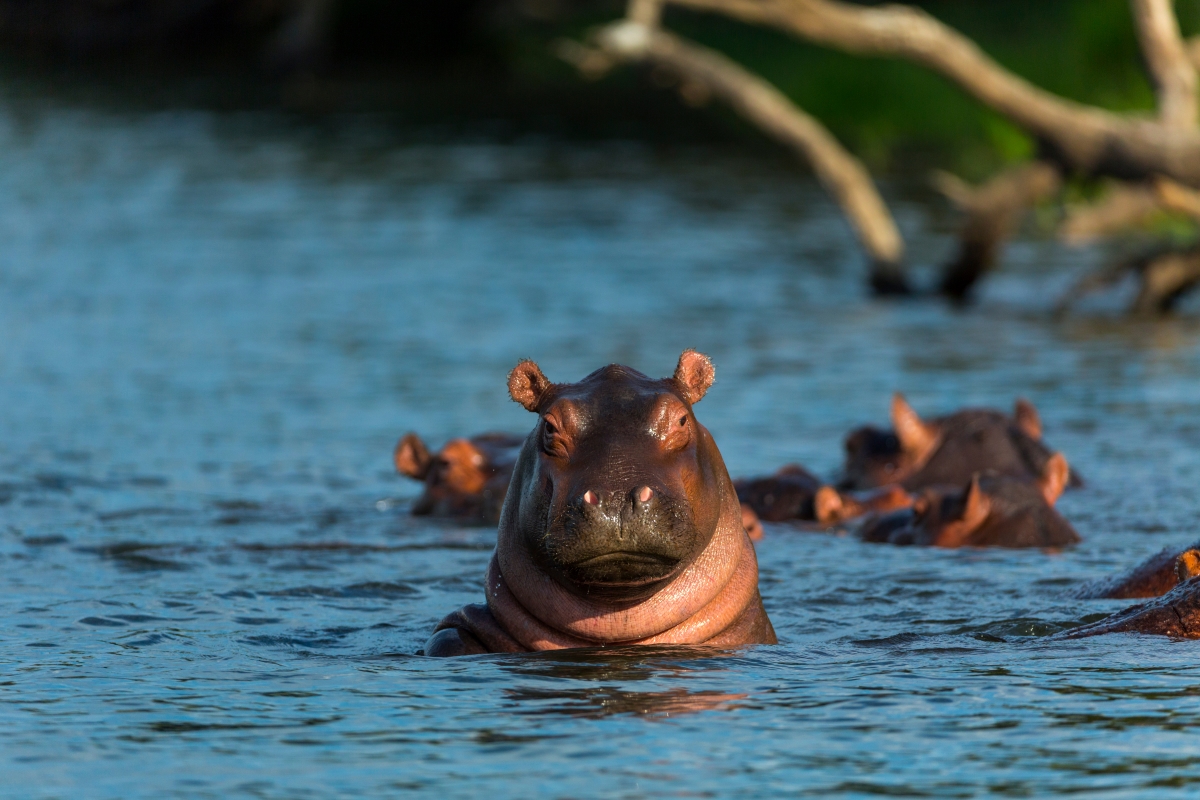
[
  {"x": 1054, "y": 477},
  {"x": 527, "y": 384},
  {"x": 694, "y": 374},
  {"x": 916, "y": 437},
  {"x": 830, "y": 507},
  {"x": 412, "y": 457},
  {"x": 1187, "y": 566},
  {"x": 977, "y": 506},
  {"x": 1028, "y": 420}
]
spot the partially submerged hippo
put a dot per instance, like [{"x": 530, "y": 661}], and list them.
[
  {"x": 1153, "y": 577},
  {"x": 946, "y": 451},
  {"x": 1175, "y": 614},
  {"x": 992, "y": 510},
  {"x": 466, "y": 480},
  {"x": 621, "y": 525},
  {"x": 794, "y": 493}
]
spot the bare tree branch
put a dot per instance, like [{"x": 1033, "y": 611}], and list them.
[
  {"x": 1086, "y": 139},
  {"x": 994, "y": 210},
  {"x": 1167, "y": 61},
  {"x": 1179, "y": 199},
  {"x": 765, "y": 106},
  {"x": 644, "y": 12},
  {"x": 1124, "y": 206}
]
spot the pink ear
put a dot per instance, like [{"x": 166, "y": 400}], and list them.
[
  {"x": 916, "y": 437},
  {"x": 977, "y": 507},
  {"x": 412, "y": 457},
  {"x": 1028, "y": 419},
  {"x": 828, "y": 505},
  {"x": 1054, "y": 477},
  {"x": 694, "y": 374},
  {"x": 527, "y": 384}
]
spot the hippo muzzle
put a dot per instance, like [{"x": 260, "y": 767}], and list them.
[{"x": 635, "y": 537}]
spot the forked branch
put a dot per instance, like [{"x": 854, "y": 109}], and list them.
[
  {"x": 1167, "y": 61},
  {"x": 1085, "y": 139}
]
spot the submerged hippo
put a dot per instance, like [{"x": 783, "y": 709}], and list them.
[
  {"x": 992, "y": 510},
  {"x": 946, "y": 451},
  {"x": 466, "y": 480},
  {"x": 621, "y": 525},
  {"x": 1153, "y": 577},
  {"x": 794, "y": 493},
  {"x": 1175, "y": 614}
]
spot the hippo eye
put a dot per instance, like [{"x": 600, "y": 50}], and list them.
[{"x": 683, "y": 420}]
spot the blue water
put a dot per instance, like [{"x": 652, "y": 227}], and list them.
[{"x": 213, "y": 328}]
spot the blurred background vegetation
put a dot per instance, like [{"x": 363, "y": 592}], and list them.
[{"x": 473, "y": 62}]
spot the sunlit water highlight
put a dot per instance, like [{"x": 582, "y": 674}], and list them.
[{"x": 213, "y": 329}]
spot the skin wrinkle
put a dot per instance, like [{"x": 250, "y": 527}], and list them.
[
  {"x": 697, "y": 586},
  {"x": 584, "y": 558},
  {"x": 724, "y": 610}
]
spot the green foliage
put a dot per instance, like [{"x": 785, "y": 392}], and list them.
[{"x": 1084, "y": 50}]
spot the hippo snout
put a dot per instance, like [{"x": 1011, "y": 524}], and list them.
[{"x": 627, "y": 537}]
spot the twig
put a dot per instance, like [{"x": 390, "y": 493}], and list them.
[
  {"x": 1171, "y": 70},
  {"x": 1123, "y": 206}
]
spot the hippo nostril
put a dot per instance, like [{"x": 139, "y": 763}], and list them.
[
  {"x": 591, "y": 498},
  {"x": 644, "y": 494}
]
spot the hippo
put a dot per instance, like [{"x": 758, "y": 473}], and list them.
[
  {"x": 466, "y": 480},
  {"x": 992, "y": 510},
  {"x": 621, "y": 525},
  {"x": 946, "y": 451},
  {"x": 794, "y": 493},
  {"x": 1153, "y": 577},
  {"x": 1175, "y": 614}
]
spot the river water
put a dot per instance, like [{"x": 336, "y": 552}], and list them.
[{"x": 214, "y": 327}]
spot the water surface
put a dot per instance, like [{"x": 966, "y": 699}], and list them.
[{"x": 213, "y": 328}]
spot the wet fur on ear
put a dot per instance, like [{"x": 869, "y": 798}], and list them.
[
  {"x": 916, "y": 437},
  {"x": 527, "y": 384},
  {"x": 1055, "y": 475},
  {"x": 695, "y": 373},
  {"x": 1187, "y": 565},
  {"x": 1027, "y": 418},
  {"x": 412, "y": 457}
]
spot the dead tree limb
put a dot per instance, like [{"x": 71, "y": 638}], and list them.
[
  {"x": 839, "y": 172},
  {"x": 1167, "y": 61},
  {"x": 1085, "y": 139},
  {"x": 1124, "y": 206},
  {"x": 994, "y": 210},
  {"x": 1164, "y": 276},
  {"x": 1176, "y": 198}
]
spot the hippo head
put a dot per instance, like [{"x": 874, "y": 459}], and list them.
[
  {"x": 618, "y": 487},
  {"x": 995, "y": 509},
  {"x": 876, "y": 457},
  {"x": 467, "y": 478}
]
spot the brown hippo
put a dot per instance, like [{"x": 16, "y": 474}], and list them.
[
  {"x": 621, "y": 525},
  {"x": 466, "y": 480},
  {"x": 1153, "y": 577},
  {"x": 992, "y": 510},
  {"x": 794, "y": 493},
  {"x": 1175, "y": 614},
  {"x": 946, "y": 451}
]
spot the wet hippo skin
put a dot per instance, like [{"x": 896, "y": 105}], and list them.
[
  {"x": 1175, "y": 614},
  {"x": 621, "y": 525},
  {"x": 1153, "y": 577},
  {"x": 990, "y": 511},
  {"x": 467, "y": 480},
  {"x": 946, "y": 451},
  {"x": 794, "y": 493}
]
